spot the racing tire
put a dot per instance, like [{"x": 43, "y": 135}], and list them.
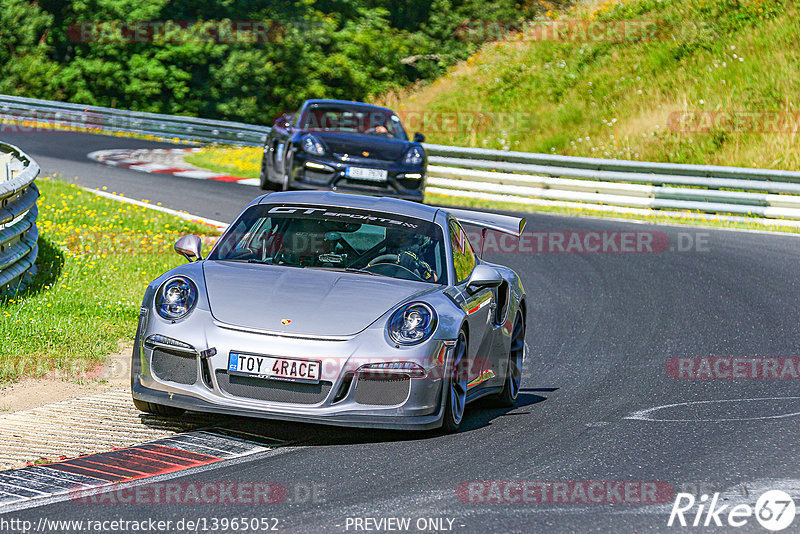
[
  {"x": 456, "y": 391},
  {"x": 265, "y": 184},
  {"x": 508, "y": 397}
]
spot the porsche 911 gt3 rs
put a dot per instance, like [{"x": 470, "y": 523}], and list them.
[{"x": 334, "y": 308}]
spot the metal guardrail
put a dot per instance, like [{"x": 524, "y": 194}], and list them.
[
  {"x": 751, "y": 198},
  {"x": 610, "y": 165},
  {"x": 18, "y": 211},
  {"x": 612, "y": 185},
  {"x": 520, "y": 177},
  {"x": 19, "y": 110}
]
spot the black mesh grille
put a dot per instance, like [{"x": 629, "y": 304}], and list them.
[
  {"x": 273, "y": 390},
  {"x": 174, "y": 368},
  {"x": 382, "y": 391}
]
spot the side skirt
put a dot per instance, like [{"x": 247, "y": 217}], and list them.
[{"x": 483, "y": 392}]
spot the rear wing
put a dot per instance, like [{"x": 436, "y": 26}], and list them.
[{"x": 490, "y": 221}]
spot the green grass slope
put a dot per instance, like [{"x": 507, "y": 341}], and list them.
[{"x": 704, "y": 81}]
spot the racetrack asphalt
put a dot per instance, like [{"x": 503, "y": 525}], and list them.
[{"x": 602, "y": 328}]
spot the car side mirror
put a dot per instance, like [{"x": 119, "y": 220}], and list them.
[
  {"x": 284, "y": 121},
  {"x": 419, "y": 138},
  {"x": 189, "y": 246},
  {"x": 484, "y": 276}
]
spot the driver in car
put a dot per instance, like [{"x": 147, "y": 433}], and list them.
[
  {"x": 410, "y": 251},
  {"x": 377, "y": 124}
]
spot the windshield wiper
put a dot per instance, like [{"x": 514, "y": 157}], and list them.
[
  {"x": 351, "y": 270},
  {"x": 248, "y": 260}
]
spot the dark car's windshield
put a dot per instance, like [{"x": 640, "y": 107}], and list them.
[
  {"x": 330, "y": 118},
  {"x": 336, "y": 238}
]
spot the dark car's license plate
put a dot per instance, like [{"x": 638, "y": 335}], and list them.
[{"x": 361, "y": 173}]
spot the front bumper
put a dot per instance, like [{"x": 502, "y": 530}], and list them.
[
  {"x": 191, "y": 403},
  {"x": 307, "y": 174},
  {"x": 344, "y": 396}
]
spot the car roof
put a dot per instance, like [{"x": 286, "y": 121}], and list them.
[
  {"x": 352, "y": 103},
  {"x": 332, "y": 198}
]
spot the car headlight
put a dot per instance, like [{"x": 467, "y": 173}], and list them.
[
  {"x": 415, "y": 156},
  {"x": 176, "y": 298},
  {"x": 412, "y": 324},
  {"x": 312, "y": 145}
]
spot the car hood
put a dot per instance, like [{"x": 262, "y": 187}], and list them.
[
  {"x": 355, "y": 145},
  {"x": 314, "y": 302}
]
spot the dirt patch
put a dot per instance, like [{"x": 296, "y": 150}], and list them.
[{"x": 35, "y": 392}]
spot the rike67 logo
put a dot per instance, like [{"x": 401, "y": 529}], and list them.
[{"x": 774, "y": 510}]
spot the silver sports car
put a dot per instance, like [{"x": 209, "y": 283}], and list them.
[{"x": 333, "y": 308}]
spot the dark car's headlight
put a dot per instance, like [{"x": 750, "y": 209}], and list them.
[
  {"x": 412, "y": 324},
  {"x": 312, "y": 145},
  {"x": 176, "y": 298},
  {"x": 415, "y": 156}
]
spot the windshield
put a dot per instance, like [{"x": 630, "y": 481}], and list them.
[
  {"x": 353, "y": 120},
  {"x": 335, "y": 238}
]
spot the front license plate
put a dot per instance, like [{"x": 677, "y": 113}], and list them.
[
  {"x": 270, "y": 367},
  {"x": 372, "y": 175}
]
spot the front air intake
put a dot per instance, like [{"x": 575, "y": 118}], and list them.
[
  {"x": 273, "y": 390},
  {"x": 383, "y": 391},
  {"x": 174, "y": 367}
]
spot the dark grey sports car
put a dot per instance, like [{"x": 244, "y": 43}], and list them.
[{"x": 344, "y": 146}]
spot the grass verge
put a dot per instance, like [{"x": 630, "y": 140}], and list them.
[
  {"x": 96, "y": 256},
  {"x": 236, "y": 161}
]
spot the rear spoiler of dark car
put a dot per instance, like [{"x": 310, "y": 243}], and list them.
[{"x": 490, "y": 221}]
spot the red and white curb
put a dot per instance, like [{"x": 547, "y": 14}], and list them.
[
  {"x": 102, "y": 440},
  {"x": 87, "y": 477},
  {"x": 140, "y": 160}
]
